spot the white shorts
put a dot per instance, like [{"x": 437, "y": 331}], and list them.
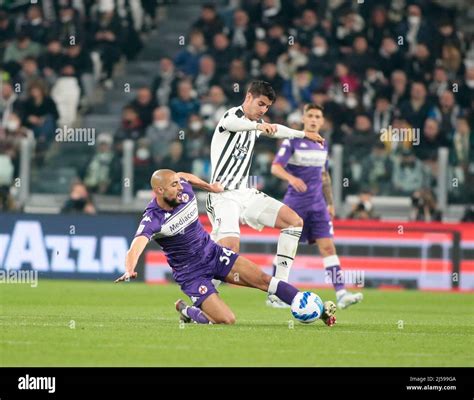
[{"x": 247, "y": 206}]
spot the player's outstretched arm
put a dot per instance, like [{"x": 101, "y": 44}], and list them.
[
  {"x": 133, "y": 254},
  {"x": 280, "y": 172},
  {"x": 201, "y": 184},
  {"x": 283, "y": 132}
]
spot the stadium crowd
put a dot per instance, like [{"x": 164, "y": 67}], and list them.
[{"x": 396, "y": 79}]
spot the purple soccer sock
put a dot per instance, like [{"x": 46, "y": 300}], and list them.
[
  {"x": 196, "y": 315},
  {"x": 335, "y": 276},
  {"x": 285, "y": 292}
]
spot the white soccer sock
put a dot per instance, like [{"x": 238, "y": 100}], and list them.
[{"x": 286, "y": 251}]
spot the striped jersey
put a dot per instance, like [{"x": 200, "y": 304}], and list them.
[{"x": 232, "y": 149}]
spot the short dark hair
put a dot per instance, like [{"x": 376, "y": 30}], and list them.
[
  {"x": 313, "y": 106},
  {"x": 262, "y": 88}
]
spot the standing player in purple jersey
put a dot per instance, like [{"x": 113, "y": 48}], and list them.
[
  {"x": 172, "y": 220},
  {"x": 304, "y": 165}
]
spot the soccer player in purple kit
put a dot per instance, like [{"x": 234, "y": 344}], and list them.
[
  {"x": 303, "y": 163},
  {"x": 172, "y": 220}
]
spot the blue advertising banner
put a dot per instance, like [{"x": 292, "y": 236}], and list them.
[{"x": 68, "y": 246}]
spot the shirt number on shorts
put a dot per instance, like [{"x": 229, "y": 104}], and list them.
[
  {"x": 331, "y": 228},
  {"x": 225, "y": 259}
]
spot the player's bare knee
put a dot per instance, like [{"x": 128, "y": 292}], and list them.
[{"x": 227, "y": 319}]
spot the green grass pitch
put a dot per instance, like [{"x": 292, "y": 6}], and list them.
[{"x": 80, "y": 323}]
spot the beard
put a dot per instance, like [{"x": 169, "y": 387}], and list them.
[{"x": 172, "y": 202}]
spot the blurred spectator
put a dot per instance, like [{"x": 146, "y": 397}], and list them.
[
  {"x": 176, "y": 159},
  {"x": 241, "y": 35},
  {"x": 222, "y": 51},
  {"x": 364, "y": 209},
  {"x": 143, "y": 164},
  {"x": 39, "y": 112},
  {"x": 379, "y": 27},
  {"x": 144, "y": 104},
  {"x": 440, "y": 82},
  {"x": 66, "y": 94},
  {"x": 451, "y": 61},
  {"x": 446, "y": 114},
  {"x": 322, "y": 59},
  {"x": 420, "y": 64},
  {"x": 51, "y": 61},
  {"x": 97, "y": 177},
  {"x": 374, "y": 82},
  {"x": 18, "y": 50},
  {"x": 259, "y": 56},
  {"x": 131, "y": 126},
  {"x": 361, "y": 58},
  {"x": 424, "y": 206},
  {"x": 430, "y": 142},
  {"x": 184, "y": 104},
  {"x": 342, "y": 83},
  {"x": 390, "y": 57},
  {"x": 106, "y": 39},
  {"x": 269, "y": 73},
  {"x": 298, "y": 89},
  {"x": 235, "y": 83},
  {"x": 382, "y": 115},
  {"x": 165, "y": 84},
  {"x": 213, "y": 107},
  {"x": 416, "y": 109},
  {"x": 28, "y": 74},
  {"x": 289, "y": 62},
  {"x": 209, "y": 22},
  {"x": 398, "y": 88},
  {"x": 408, "y": 175},
  {"x": 377, "y": 170},
  {"x": 466, "y": 90},
  {"x": 79, "y": 200},
  {"x": 35, "y": 26},
  {"x": 207, "y": 76},
  {"x": 9, "y": 102},
  {"x": 187, "y": 60},
  {"x": 7, "y": 31},
  {"x": 68, "y": 27},
  {"x": 161, "y": 133},
  {"x": 415, "y": 29},
  {"x": 308, "y": 27}
]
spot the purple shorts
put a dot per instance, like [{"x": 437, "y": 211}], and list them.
[
  {"x": 199, "y": 287},
  {"x": 317, "y": 225}
]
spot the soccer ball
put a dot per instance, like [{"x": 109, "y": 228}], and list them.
[{"x": 307, "y": 307}]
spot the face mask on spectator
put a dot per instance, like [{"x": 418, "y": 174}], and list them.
[
  {"x": 36, "y": 21},
  {"x": 161, "y": 124},
  {"x": 351, "y": 102},
  {"x": 12, "y": 125},
  {"x": 319, "y": 51},
  {"x": 195, "y": 126},
  {"x": 143, "y": 154},
  {"x": 470, "y": 83},
  {"x": 414, "y": 20}
]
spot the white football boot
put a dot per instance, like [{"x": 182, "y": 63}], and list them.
[
  {"x": 346, "y": 299},
  {"x": 275, "y": 302}
]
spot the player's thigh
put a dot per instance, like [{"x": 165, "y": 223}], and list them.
[
  {"x": 217, "y": 310},
  {"x": 320, "y": 230},
  {"x": 224, "y": 213},
  {"x": 246, "y": 273},
  {"x": 230, "y": 242},
  {"x": 260, "y": 210}
]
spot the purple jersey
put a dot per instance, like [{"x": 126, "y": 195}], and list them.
[
  {"x": 187, "y": 246},
  {"x": 304, "y": 159}
]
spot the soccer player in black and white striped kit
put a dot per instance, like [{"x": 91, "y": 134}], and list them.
[{"x": 232, "y": 150}]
